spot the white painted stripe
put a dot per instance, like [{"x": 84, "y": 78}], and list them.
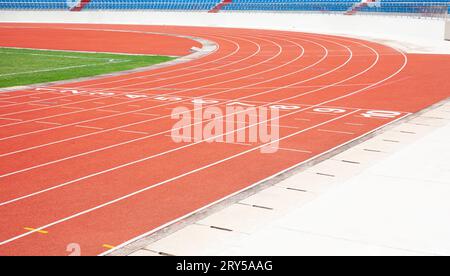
[
  {"x": 86, "y": 211},
  {"x": 55, "y": 69},
  {"x": 108, "y": 110},
  {"x": 294, "y": 150},
  {"x": 243, "y": 190},
  {"x": 354, "y": 124},
  {"x": 133, "y": 131},
  {"x": 10, "y": 119},
  {"x": 302, "y": 119},
  {"x": 336, "y": 131},
  {"x": 147, "y": 114},
  {"x": 47, "y": 123},
  {"x": 90, "y": 127},
  {"x": 154, "y": 186}
]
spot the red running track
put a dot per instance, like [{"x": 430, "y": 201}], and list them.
[{"x": 93, "y": 163}]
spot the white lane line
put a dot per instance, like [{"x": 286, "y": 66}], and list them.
[
  {"x": 336, "y": 131},
  {"x": 256, "y": 87},
  {"x": 123, "y": 79},
  {"x": 8, "y": 102},
  {"x": 147, "y": 89},
  {"x": 54, "y": 69},
  {"x": 108, "y": 110},
  {"x": 200, "y": 64},
  {"x": 354, "y": 124},
  {"x": 68, "y": 107},
  {"x": 305, "y": 68},
  {"x": 134, "y": 131},
  {"x": 169, "y": 115},
  {"x": 344, "y": 65},
  {"x": 223, "y": 37},
  {"x": 147, "y": 114},
  {"x": 323, "y": 113},
  {"x": 364, "y": 71},
  {"x": 222, "y": 142},
  {"x": 233, "y": 143},
  {"x": 283, "y": 126},
  {"x": 47, "y": 55},
  {"x": 376, "y": 118},
  {"x": 47, "y": 123},
  {"x": 246, "y": 188},
  {"x": 11, "y": 119},
  {"x": 215, "y": 50},
  {"x": 303, "y": 119},
  {"x": 126, "y": 164},
  {"x": 348, "y": 60},
  {"x": 129, "y": 112},
  {"x": 33, "y": 104},
  {"x": 243, "y": 122},
  {"x": 220, "y": 37},
  {"x": 344, "y": 96},
  {"x": 90, "y": 127},
  {"x": 294, "y": 150},
  {"x": 46, "y": 129},
  {"x": 60, "y": 98},
  {"x": 162, "y": 183},
  {"x": 367, "y": 69},
  {"x": 30, "y": 90},
  {"x": 275, "y": 68},
  {"x": 209, "y": 76}
]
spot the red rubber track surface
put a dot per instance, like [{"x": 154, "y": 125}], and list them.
[
  {"x": 79, "y": 38},
  {"x": 93, "y": 163}
]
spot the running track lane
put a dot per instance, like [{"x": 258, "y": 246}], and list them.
[{"x": 92, "y": 162}]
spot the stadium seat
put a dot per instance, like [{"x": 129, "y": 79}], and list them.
[{"x": 330, "y": 6}]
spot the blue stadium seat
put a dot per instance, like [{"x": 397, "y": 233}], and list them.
[{"x": 337, "y": 6}]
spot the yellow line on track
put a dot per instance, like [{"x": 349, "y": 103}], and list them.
[
  {"x": 37, "y": 231},
  {"x": 108, "y": 246}
]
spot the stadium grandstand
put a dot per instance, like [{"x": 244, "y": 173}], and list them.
[{"x": 423, "y": 8}]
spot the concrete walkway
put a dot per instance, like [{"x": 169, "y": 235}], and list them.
[{"x": 387, "y": 196}]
